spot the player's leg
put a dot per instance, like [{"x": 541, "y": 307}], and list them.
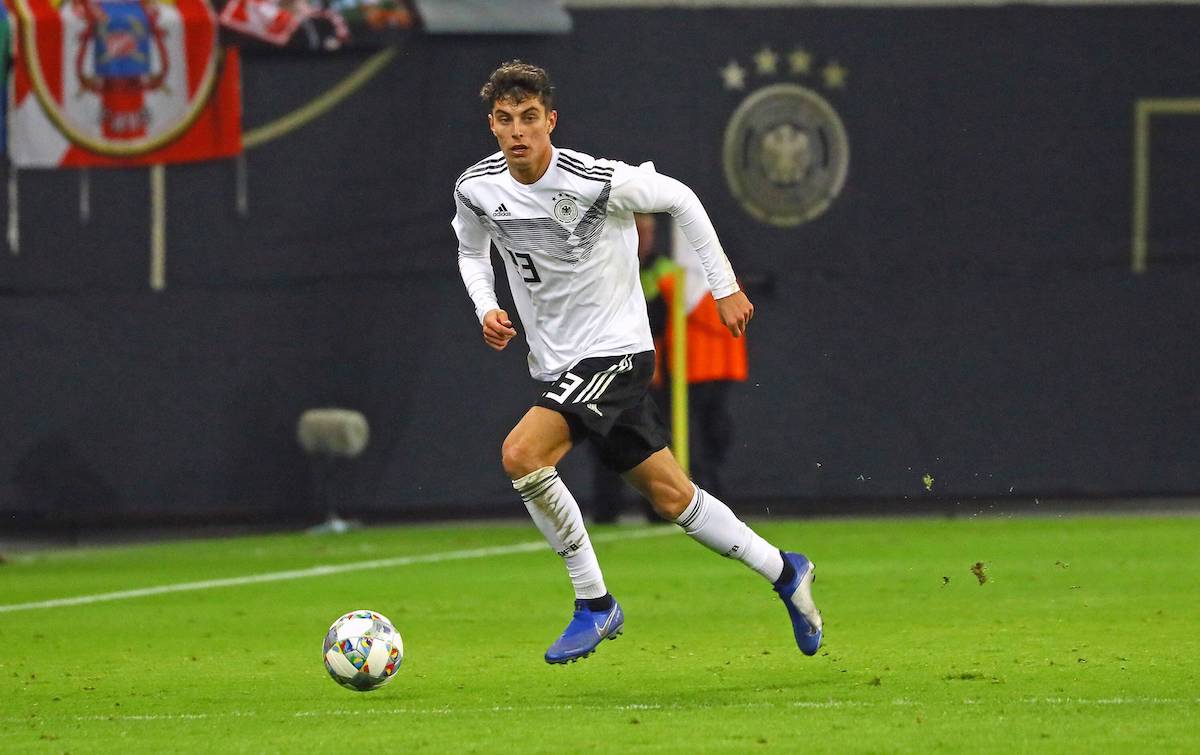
[
  {"x": 530, "y": 455},
  {"x": 710, "y": 522},
  {"x": 703, "y": 516}
]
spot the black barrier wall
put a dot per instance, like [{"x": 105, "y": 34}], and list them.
[{"x": 963, "y": 308}]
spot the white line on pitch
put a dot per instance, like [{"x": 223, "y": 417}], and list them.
[
  {"x": 649, "y": 707},
  {"x": 322, "y": 571}
]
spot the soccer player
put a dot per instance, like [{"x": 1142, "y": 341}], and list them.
[{"x": 563, "y": 222}]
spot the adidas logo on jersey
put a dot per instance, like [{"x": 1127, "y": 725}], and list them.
[{"x": 501, "y": 212}]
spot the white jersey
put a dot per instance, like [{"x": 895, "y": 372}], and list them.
[{"x": 569, "y": 246}]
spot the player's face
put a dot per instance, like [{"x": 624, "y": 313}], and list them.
[{"x": 523, "y": 131}]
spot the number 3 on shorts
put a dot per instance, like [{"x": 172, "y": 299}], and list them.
[{"x": 567, "y": 386}]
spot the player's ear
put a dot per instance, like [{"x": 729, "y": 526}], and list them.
[
  {"x": 491, "y": 123},
  {"x": 552, "y": 119}
]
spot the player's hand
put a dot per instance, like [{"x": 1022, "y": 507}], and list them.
[
  {"x": 498, "y": 330},
  {"x": 735, "y": 311}
]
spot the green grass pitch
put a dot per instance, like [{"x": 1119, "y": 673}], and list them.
[{"x": 1083, "y": 638}]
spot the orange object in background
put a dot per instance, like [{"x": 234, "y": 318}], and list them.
[{"x": 712, "y": 352}]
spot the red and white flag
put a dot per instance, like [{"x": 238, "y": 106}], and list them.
[
  {"x": 264, "y": 19},
  {"x": 121, "y": 82}
]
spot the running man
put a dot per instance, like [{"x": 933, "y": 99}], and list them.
[{"x": 563, "y": 222}]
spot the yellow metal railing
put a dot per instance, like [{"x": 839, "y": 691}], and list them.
[{"x": 679, "y": 384}]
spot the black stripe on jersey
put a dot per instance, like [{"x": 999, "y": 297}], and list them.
[
  {"x": 479, "y": 173},
  {"x": 483, "y": 165},
  {"x": 588, "y": 172},
  {"x": 588, "y": 229},
  {"x": 469, "y": 204},
  {"x": 486, "y": 162},
  {"x": 563, "y": 159},
  {"x": 582, "y": 166},
  {"x": 539, "y": 235},
  {"x": 602, "y": 178}
]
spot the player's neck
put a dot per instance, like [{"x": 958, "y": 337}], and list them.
[{"x": 531, "y": 174}]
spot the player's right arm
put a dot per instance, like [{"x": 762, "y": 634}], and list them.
[
  {"x": 475, "y": 267},
  {"x": 498, "y": 330}
]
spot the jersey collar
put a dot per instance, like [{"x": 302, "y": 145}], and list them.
[{"x": 541, "y": 181}]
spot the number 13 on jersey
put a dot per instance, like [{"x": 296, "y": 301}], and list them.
[{"x": 525, "y": 267}]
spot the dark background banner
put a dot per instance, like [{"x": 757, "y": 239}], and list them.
[{"x": 964, "y": 308}]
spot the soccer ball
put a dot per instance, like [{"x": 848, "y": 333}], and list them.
[{"x": 363, "y": 650}]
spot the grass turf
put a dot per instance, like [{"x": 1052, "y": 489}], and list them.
[{"x": 1083, "y": 638}]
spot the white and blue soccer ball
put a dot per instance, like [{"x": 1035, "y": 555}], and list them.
[{"x": 363, "y": 650}]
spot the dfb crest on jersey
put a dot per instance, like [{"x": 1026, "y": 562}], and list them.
[
  {"x": 566, "y": 208},
  {"x": 119, "y": 77},
  {"x": 785, "y": 151}
]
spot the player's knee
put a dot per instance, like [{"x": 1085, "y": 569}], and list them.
[{"x": 518, "y": 459}]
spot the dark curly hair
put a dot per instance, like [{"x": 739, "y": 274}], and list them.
[{"x": 515, "y": 81}]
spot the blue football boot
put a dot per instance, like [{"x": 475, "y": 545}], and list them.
[
  {"x": 797, "y": 596},
  {"x": 585, "y": 631}
]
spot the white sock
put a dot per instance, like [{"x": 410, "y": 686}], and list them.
[
  {"x": 556, "y": 514},
  {"x": 711, "y": 522}
]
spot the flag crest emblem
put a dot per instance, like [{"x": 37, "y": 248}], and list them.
[{"x": 115, "y": 79}]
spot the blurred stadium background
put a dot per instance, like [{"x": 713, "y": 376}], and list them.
[
  {"x": 972, "y": 234},
  {"x": 974, "y": 256}
]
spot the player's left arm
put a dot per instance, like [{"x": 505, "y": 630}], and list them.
[{"x": 642, "y": 189}]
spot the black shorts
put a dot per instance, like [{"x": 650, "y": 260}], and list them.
[{"x": 604, "y": 400}]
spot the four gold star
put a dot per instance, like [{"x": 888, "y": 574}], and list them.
[
  {"x": 734, "y": 75},
  {"x": 766, "y": 60},
  {"x": 835, "y": 75},
  {"x": 799, "y": 63}
]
